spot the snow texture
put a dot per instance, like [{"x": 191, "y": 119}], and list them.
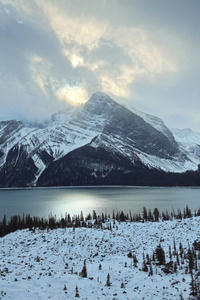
[{"x": 38, "y": 264}]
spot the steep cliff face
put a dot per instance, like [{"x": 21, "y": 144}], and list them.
[{"x": 101, "y": 142}]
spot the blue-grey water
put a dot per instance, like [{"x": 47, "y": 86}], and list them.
[{"x": 58, "y": 201}]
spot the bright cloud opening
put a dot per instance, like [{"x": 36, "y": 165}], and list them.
[{"x": 76, "y": 95}]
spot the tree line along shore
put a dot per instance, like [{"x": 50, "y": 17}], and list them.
[{"x": 93, "y": 220}]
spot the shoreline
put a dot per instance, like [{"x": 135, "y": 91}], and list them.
[{"x": 99, "y": 187}]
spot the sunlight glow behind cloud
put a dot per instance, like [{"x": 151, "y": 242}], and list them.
[
  {"x": 62, "y": 51},
  {"x": 74, "y": 94},
  {"x": 81, "y": 36}
]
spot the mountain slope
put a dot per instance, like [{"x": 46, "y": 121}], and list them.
[{"x": 101, "y": 142}]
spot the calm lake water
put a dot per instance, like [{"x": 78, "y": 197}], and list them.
[{"x": 58, "y": 201}]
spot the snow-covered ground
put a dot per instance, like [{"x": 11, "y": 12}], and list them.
[{"x": 37, "y": 265}]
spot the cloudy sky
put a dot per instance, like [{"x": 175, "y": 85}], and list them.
[{"x": 143, "y": 53}]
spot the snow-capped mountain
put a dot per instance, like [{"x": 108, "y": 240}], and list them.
[{"x": 101, "y": 142}]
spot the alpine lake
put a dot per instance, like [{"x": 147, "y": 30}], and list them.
[{"x": 43, "y": 202}]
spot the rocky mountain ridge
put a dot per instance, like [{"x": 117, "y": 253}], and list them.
[{"x": 101, "y": 142}]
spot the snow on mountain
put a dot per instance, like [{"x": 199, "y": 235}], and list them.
[
  {"x": 131, "y": 146},
  {"x": 189, "y": 143},
  {"x": 186, "y": 136},
  {"x": 154, "y": 121},
  {"x": 100, "y": 122}
]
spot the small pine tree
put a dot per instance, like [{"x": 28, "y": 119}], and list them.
[
  {"x": 190, "y": 260},
  {"x": 156, "y": 214},
  {"x": 170, "y": 253},
  {"x": 175, "y": 267},
  {"x": 174, "y": 252},
  {"x": 181, "y": 249},
  {"x": 160, "y": 255},
  {"x": 188, "y": 212},
  {"x": 150, "y": 270},
  {"x": 144, "y": 214},
  {"x": 77, "y": 292},
  {"x": 135, "y": 261},
  {"x": 100, "y": 267},
  {"x": 150, "y": 217},
  {"x": 84, "y": 270},
  {"x": 195, "y": 265},
  {"x": 122, "y": 285},
  {"x": 186, "y": 269},
  {"x": 148, "y": 259},
  {"x": 130, "y": 254},
  {"x": 192, "y": 286},
  {"x": 153, "y": 256},
  {"x": 144, "y": 265},
  {"x": 177, "y": 259},
  {"x": 108, "y": 283},
  {"x": 65, "y": 288}
]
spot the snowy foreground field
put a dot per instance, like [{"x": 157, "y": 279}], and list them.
[{"x": 46, "y": 265}]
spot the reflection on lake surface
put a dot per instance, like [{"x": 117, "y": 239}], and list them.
[{"x": 58, "y": 201}]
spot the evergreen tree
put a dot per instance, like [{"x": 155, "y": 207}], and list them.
[
  {"x": 135, "y": 261},
  {"x": 130, "y": 254},
  {"x": 102, "y": 218},
  {"x": 94, "y": 215},
  {"x": 186, "y": 269},
  {"x": 188, "y": 212},
  {"x": 150, "y": 217},
  {"x": 156, "y": 214},
  {"x": 108, "y": 283},
  {"x": 190, "y": 260},
  {"x": 148, "y": 259},
  {"x": 153, "y": 256},
  {"x": 170, "y": 253},
  {"x": 174, "y": 252},
  {"x": 144, "y": 214},
  {"x": 179, "y": 214},
  {"x": 175, "y": 267},
  {"x": 160, "y": 255},
  {"x": 150, "y": 270},
  {"x": 177, "y": 259},
  {"x": 144, "y": 265},
  {"x": 181, "y": 249},
  {"x": 77, "y": 292},
  {"x": 81, "y": 217},
  {"x": 65, "y": 288},
  {"x": 192, "y": 286},
  {"x": 166, "y": 216},
  {"x": 84, "y": 270},
  {"x": 89, "y": 217}
]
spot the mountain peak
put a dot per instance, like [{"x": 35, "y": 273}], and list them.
[
  {"x": 100, "y": 97},
  {"x": 99, "y": 103}
]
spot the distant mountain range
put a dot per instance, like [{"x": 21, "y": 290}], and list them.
[{"x": 99, "y": 143}]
